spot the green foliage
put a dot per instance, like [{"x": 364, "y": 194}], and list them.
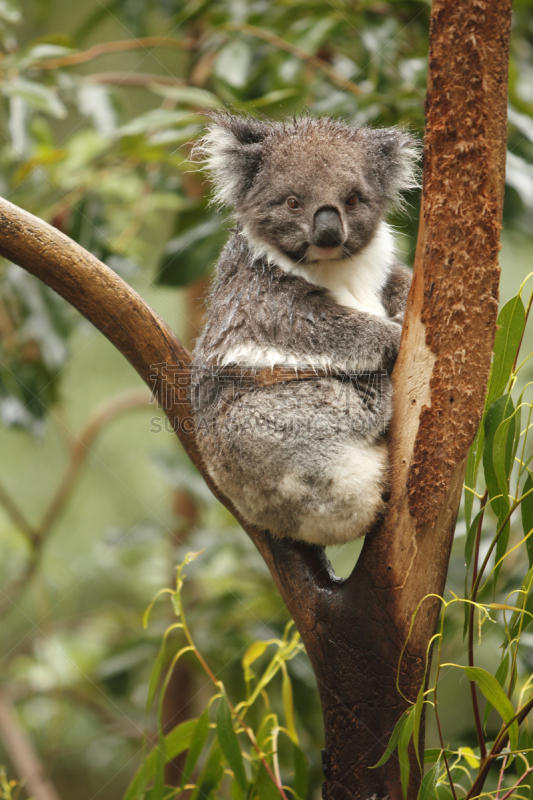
[
  {"x": 215, "y": 741},
  {"x": 493, "y": 539}
]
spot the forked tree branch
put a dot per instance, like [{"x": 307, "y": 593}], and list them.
[{"x": 354, "y": 630}]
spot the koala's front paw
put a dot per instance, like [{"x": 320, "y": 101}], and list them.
[
  {"x": 391, "y": 350},
  {"x": 398, "y": 318}
]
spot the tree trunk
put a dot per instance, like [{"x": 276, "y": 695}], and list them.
[{"x": 354, "y": 630}]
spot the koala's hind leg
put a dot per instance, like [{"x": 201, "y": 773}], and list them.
[{"x": 301, "y": 462}]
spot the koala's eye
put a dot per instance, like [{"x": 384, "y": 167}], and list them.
[
  {"x": 352, "y": 200},
  {"x": 293, "y": 203}
]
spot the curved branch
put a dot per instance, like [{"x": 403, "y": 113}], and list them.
[{"x": 151, "y": 348}]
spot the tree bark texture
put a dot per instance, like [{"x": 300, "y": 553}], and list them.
[{"x": 354, "y": 630}]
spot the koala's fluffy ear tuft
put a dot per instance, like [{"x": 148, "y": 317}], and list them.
[
  {"x": 231, "y": 151},
  {"x": 396, "y": 157}
]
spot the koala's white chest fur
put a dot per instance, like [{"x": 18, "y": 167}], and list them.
[{"x": 355, "y": 282}]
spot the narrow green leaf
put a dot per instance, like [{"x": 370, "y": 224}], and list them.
[
  {"x": 288, "y": 704},
  {"x": 511, "y": 321},
  {"x": 403, "y": 753},
  {"x": 264, "y": 786},
  {"x": 199, "y": 738},
  {"x": 431, "y": 754},
  {"x": 526, "y": 508},
  {"x": 494, "y": 693},
  {"x": 528, "y": 618},
  {"x": 255, "y": 650},
  {"x": 393, "y": 741},
  {"x": 497, "y": 457},
  {"x": 158, "y": 789},
  {"x": 155, "y": 675},
  {"x": 176, "y": 742},
  {"x": 429, "y": 783},
  {"x": 234, "y": 63},
  {"x": 188, "y": 95},
  {"x": 235, "y": 791},
  {"x": 495, "y": 460},
  {"x": 195, "y": 249},
  {"x": 417, "y": 716},
  {"x": 503, "y": 449},
  {"x": 442, "y": 792},
  {"x": 229, "y": 742},
  {"x": 472, "y": 467},
  {"x": 211, "y": 774},
  {"x": 301, "y": 772},
  {"x": 36, "y": 96},
  {"x": 501, "y": 675}
]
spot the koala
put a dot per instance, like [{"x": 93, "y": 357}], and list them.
[{"x": 291, "y": 383}]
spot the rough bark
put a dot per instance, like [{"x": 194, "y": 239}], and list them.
[{"x": 354, "y": 630}]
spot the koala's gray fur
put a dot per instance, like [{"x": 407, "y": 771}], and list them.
[{"x": 316, "y": 286}]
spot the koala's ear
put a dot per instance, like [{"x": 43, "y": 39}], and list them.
[
  {"x": 231, "y": 151},
  {"x": 396, "y": 158}
]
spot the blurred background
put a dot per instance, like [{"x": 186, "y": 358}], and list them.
[{"x": 100, "y": 105}]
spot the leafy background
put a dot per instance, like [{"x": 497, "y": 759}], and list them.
[{"x": 100, "y": 105}]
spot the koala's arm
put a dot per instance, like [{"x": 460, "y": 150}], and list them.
[
  {"x": 344, "y": 335},
  {"x": 395, "y": 291}
]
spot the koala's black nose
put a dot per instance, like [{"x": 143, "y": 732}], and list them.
[{"x": 327, "y": 228}]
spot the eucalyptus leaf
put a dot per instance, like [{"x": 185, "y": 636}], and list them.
[
  {"x": 176, "y": 742},
  {"x": 198, "y": 741},
  {"x": 511, "y": 321},
  {"x": 301, "y": 772},
  {"x": 403, "y": 752},
  {"x": 192, "y": 254},
  {"x": 229, "y": 742},
  {"x": 393, "y": 741},
  {"x": 264, "y": 785},
  {"x": 211, "y": 774},
  {"x": 39, "y": 97},
  {"x": 234, "y": 63},
  {"x": 501, "y": 676},
  {"x": 429, "y": 782},
  {"x": 526, "y": 510},
  {"x": 494, "y": 693}
]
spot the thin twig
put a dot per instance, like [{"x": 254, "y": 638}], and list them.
[
  {"x": 16, "y": 515},
  {"x": 115, "y": 47},
  {"x": 517, "y": 784},
  {"x": 133, "y": 79},
  {"x": 81, "y": 448},
  {"x": 313, "y": 61},
  {"x": 22, "y": 753},
  {"x": 500, "y": 778},
  {"x": 79, "y": 451},
  {"x": 497, "y": 747}
]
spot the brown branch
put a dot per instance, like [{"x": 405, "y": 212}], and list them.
[
  {"x": 15, "y": 514},
  {"x": 22, "y": 754},
  {"x": 149, "y": 345},
  {"x": 115, "y": 47},
  {"x": 136, "y": 80}
]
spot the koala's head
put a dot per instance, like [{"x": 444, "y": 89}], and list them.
[{"x": 312, "y": 188}]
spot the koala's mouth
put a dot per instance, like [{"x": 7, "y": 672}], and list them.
[
  {"x": 308, "y": 253},
  {"x": 315, "y": 253}
]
